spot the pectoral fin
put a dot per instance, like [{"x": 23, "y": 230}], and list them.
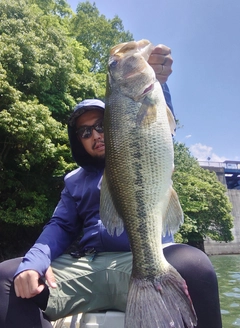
[
  {"x": 108, "y": 213},
  {"x": 147, "y": 113},
  {"x": 174, "y": 214}
]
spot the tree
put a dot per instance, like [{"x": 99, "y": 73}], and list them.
[
  {"x": 204, "y": 201},
  {"x": 41, "y": 60},
  {"x": 97, "y": 34},
  {"x": 33, "y": 151},
  {"x": 35, "y": 72},
  {"x": 33, "y": 154}
]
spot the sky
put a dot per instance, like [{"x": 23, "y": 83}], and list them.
[{"x": 204, "y": 37}]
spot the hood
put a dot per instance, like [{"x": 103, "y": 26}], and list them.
[{"x": 79, "y": 154}]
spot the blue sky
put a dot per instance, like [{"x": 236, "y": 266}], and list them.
[{"x": 204, "y": 36}]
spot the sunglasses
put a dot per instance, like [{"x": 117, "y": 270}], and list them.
[{"x": 85, "y": 132}]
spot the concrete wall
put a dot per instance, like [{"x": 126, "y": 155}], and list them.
[{"x": 233, "y": 247}]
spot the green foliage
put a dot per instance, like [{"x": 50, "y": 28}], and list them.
[
  {"x": 97, "y": 34},
  {"x": 8, "y": 94},
  {"x": 58, "y": 8},
  {"x": 39, "y": 58},
  {"x": 15, "y": 240},
  {"x": 33, "y": 151},
  {"x": 203, "y": 198},
  {"x": 29, "y": 129}
]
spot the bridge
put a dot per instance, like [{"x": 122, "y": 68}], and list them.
[{"x": 228, "y": 172}]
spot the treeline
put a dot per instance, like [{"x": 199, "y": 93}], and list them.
[{"x": 50, "y": 59}]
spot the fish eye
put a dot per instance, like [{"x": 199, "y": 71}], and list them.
[{"x": 113, "y": 64}]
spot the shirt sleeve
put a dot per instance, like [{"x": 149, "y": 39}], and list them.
[
  {"x": 57, "y": 235},
  {"x": 167, "y": 96},
  {"x": 168, "y": 238}
]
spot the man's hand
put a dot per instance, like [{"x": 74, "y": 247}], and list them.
[
  {"x": 27, "y": 283},
  {"x": 161, "y": 61}
]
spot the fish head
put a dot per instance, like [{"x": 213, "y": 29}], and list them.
[{"x": 129, "y": 71}]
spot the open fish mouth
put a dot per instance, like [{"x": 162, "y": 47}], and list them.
[{"x": 148, "y": 89}]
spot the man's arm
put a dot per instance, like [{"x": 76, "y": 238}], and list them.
[{"x": 56, "y": 236}]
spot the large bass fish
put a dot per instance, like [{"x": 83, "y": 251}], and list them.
[{"x": 137, "y": 191}]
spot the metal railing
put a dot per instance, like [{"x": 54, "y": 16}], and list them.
[{"x": 227, "y": 165}]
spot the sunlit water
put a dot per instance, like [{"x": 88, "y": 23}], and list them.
[{"x": 228, "y": 272}]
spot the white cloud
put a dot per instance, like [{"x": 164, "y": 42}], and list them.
[
  {"x": 188, "y": 136},
  {"x": 203, "y": 152}
]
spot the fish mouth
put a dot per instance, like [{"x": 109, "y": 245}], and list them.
[{"x": 148, "y": 89}]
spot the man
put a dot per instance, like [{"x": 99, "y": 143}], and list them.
[{"x": 96, "y": 277}]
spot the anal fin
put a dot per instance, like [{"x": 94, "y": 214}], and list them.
[
  {"x": 108, "y": 213},
  {"x": 173, "y": 217}
]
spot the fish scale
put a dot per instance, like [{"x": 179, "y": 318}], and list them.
[{"x": 136, "y": 191}]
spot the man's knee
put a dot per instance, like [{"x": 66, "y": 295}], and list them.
[{"x": 190, "y": 262}]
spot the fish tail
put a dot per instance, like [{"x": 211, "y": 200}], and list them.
[{"x": 162, "y": 302}]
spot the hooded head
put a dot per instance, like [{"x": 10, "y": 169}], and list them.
[{"x": 81, "y": 157}]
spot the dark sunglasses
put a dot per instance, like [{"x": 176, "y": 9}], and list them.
[{"x": 85, "y": 132}]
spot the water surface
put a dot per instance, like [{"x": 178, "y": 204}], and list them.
[{"x": 228, "y": 272}]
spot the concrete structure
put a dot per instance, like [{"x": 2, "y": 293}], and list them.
[
  {"x": 233, "y": 247},
  {"x": 228, "y": 174}
]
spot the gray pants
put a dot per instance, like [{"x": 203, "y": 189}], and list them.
[{"x": 85, "y": 285}]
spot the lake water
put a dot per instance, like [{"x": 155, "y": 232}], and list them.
[{"x": 228, "y": 272}]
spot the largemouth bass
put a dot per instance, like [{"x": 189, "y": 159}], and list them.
[{"x": 137, "y": 191}]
